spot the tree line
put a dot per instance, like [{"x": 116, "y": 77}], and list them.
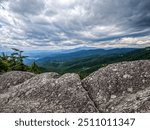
[{"x": 14, "y": 62}]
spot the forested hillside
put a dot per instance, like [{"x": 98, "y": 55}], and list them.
[
  {"x": 86, "y": 65},
  {"x": 81, "y": 62}
]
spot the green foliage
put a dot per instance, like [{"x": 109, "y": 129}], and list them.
[
  {"x": 15, "y": 62},
  {"x": 4, "y": 57},
  {"x": 3, "y": 66},
  {"x": 86, "y": 65},
  {"x": 34, "y": 68}
]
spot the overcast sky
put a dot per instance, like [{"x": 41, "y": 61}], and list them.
[{"x": 62, "y": 24}]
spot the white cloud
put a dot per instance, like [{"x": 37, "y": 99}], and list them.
[
  {"x": 136, "y": 40},
  {"x": 130, "y": 42},
  {"x": 53, "y": 24}
]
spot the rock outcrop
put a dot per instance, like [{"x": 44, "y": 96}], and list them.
[
  {"x": 120, "y": 87},
  {"x": 47, "y": 93},
  {"x": 11, "y": 79}
]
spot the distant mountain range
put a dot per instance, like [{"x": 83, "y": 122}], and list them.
[
  {"x": 88, "y": 61},
  {"x": 42, "y": 57},
  {"x": 62, "y": 57},
  {"x": 66, "y": 54},
  {"x": 34, "y": 55},
  {"x": 83, "y": 60}
]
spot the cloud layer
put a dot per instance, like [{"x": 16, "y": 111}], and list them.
[{"x": 59, "y": 24}]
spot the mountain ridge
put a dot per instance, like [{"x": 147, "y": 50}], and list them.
[
  {"x": 85, "y": 53},
  {"x": 86, "y": 65}
]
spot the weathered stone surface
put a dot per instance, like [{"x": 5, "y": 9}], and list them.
[
  {"x": 114, "y": 88},
  {"x": 47, "y": 93},
  {"x": 121, "y": 87},
  {"x": 137, "y": 102},
  {"x": 13, "y": 78}
]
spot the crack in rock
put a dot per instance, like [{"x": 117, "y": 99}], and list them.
[{"x": 120, "y": 87}]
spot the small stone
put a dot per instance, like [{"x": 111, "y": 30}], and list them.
[
  {"x": 143, "y": 80},
  {"x": 130, "y": 89},
  {"x": 127, "y": 76},
  {"x": 114, "y": 69},
  {"x": 113, "y": 96}
]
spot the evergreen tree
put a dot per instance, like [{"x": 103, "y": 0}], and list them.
[
  {"x": 12, "y": 62},
  {"x": 4, "y": 65},
  {"x": 17, "y": 60},
  {"x": 4, "y": 56},
  {"x": 34, "y": 68}
]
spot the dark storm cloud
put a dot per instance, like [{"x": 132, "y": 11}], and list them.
[
  {"x": 27, "y": 7},
  {"x": 73, "y": 23},
  {"x": 142, "y": 34},
  {"x": 141, "y": 15}
]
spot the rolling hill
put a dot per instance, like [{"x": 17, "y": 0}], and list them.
[
  {"x": 62, "y": 57},
  {"x": 90, "y": 63}
]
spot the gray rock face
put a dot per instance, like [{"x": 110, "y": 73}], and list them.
[
  {"x": 122, "y": 87},
  {"x": 130, "y": 103},
  {"x": 47, "y": 93},
  {"x": 10, "y": 79}
]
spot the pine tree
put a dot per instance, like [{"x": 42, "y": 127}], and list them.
[
  {"x": 4, "y": 56},
  {"x": 4, "y": 65},
  {"x": 34, "y": 68},
  {"x": 17, "y": 60}
]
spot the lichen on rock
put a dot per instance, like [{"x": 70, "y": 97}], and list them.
[{"x": 119, "y": 87}]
